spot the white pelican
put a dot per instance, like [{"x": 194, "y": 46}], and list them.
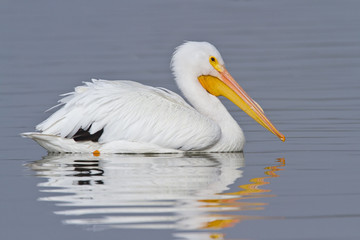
[{"x": 129, "y": 117}]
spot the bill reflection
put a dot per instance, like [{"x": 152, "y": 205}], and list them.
[{"x": 187, "y": 193}]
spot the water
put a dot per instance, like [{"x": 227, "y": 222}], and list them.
[{"x": 299, "y": 59}]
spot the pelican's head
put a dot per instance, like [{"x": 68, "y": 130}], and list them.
[{"x": 204, "y": 62}]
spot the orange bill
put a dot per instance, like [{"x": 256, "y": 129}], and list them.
[{"x": 226, "y": 86}]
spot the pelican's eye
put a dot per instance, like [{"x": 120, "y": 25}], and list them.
[{"x": 214, "y": 62}]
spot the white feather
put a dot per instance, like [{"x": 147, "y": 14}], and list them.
[{"x": 133, "y": 112}]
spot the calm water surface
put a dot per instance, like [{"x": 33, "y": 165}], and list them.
[{"x": 299, "y": 59}]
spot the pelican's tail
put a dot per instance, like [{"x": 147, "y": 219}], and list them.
[{"x": 53, "y": 143}]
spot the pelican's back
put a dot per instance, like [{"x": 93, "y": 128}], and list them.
[{"x": 129, "y": 111}]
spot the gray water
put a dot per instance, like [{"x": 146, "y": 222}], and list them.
[{"x": 299, "y": 59}]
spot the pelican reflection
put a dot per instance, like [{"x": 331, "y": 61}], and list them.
[{"x": 180, "y": 192}]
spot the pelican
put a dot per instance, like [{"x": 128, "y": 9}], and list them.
[{"x": 129, "y": 117}]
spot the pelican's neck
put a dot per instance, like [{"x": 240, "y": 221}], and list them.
[{"x": 232, "y": 137}]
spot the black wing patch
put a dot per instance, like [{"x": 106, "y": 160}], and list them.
[{"x": 84, "y": 135}]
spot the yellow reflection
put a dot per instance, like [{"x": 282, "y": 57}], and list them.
[
  {"x": 253, "y": 187},
  {"x": 249, "y": 191},
  {"x": 219, "y": 224},
  {"x": 217, "y": 236}
]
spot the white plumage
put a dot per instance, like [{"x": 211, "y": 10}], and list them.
[{"x": 133, "y": 118}]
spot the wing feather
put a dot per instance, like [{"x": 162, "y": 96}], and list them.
[{"x": 130, "y": 111}]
